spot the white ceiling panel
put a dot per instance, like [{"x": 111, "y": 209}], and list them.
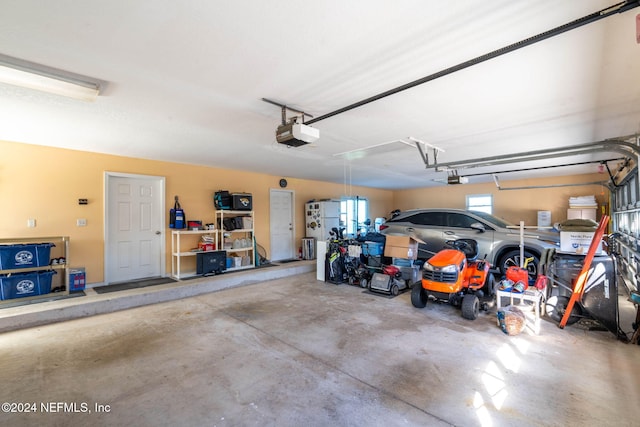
[{"x": 185, "y": 82}]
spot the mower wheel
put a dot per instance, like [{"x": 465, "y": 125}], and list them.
[
  {"x": 364, "y": 283},
  {"x": 489, "y": 287},
  {"x": 556, "y": 306},
  {"x": 395, "y": 290},
  {"x": 470, "y": 306},
  {"x": 455, "y": 300},
  {"x": 418, "y": 295}
]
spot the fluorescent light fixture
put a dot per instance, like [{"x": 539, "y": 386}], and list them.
[{"x": 25, "y": 74}]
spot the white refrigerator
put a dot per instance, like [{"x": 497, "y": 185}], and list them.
[{"x": 321, "y": 217}]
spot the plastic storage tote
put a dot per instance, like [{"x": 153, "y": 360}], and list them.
[
  {"x": 21, "y": 285},
  {"x": 25, "y": 255},
  {"x": 372, "y": 248}
]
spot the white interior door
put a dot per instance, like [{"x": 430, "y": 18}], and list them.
[
  {"x": 134, "y": 227},
  {"x": 281, "y": 224}
]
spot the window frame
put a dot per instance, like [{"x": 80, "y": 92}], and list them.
[
  {"x": 488, "y": 208},
  {"x": 353, "y": 207}
]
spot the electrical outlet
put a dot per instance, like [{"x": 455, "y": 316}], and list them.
[
  {"x": 31, "y": 223},
  {"x": 81, "y": 222}
]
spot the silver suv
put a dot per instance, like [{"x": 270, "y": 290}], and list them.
[{"x": 500, "y": 244}]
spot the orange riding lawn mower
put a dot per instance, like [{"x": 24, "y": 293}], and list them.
[{"x": 456, "y": 276}]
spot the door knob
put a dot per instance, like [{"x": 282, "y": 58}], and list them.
[{"x": 158, "y": 233}]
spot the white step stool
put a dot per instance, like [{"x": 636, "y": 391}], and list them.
[{"x": 532, "y": 294}]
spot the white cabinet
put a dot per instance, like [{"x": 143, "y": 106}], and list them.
[
  {"x": 180, "y": 250},
  {"x": 237, "y": 239}
]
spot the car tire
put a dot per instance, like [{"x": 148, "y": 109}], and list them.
[{"x": 512, "y": 258}]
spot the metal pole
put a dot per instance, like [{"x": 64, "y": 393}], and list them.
[{"x": 521, "y": 244}]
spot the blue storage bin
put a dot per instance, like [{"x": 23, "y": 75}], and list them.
[
  {"x": 21, "y": 285},
  {"x": 372, "y": 248},
  {"x": 25, "y": 255},
  {"x": 402, "y": 262}
]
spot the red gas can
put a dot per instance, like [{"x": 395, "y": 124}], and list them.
[{"x": 517, "y": 274}]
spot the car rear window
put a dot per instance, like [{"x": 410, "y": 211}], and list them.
[{"x": 438, "y": 219}]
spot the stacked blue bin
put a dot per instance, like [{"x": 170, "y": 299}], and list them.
[
  {"x": 25, "y": 255},
  {"x": 25, "y": 284},
  {"x": 373, "y": 251},
  {"x": 21, "y": 285},
  {"x": 372, "y": 248}
]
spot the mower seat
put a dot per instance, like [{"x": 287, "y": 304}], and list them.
[{"x": 469, "y": 247}]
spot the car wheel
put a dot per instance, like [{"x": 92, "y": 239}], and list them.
[
  {"x": 364, "y": 283},
  {"x": 512, "y": 258},
  {"x": 470, "y": 307},
  {"x": 418, "y": 295}
]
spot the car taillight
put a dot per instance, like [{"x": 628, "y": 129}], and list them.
[{"x": 382, "y": 227}]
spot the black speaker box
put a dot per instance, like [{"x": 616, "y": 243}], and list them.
[{"x": 211, "y": 262}]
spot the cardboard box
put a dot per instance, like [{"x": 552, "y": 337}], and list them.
[
  {"x": 578, "y": 242},
  {"x": 204, "y": 246},
  {"x": 77, "y": 279},
  {"x": 247, "y": 223},
  {"x": 587, "y": 213},
  {"x": 401, "y": 247}
]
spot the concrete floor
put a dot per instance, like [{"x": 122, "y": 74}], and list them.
[{"x": 295, "y": 351}]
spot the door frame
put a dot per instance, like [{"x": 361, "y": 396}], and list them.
[
  {"x": 293, "y": 221},
  {"x": 163, "y": 239}
]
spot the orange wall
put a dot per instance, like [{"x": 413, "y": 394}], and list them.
[
  {"x": 511, "y": 205},
  {"x": 45, "y": 183}
]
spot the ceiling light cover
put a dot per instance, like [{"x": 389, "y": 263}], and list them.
[{"x": 32, "y": 76}]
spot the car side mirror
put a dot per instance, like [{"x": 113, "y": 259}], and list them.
[{"x": 478, "y": 227}]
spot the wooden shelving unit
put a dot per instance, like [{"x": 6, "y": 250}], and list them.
[{"x": 59, "y": 281}]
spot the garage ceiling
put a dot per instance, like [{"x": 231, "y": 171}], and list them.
[{"x": 185, "y": 82}]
